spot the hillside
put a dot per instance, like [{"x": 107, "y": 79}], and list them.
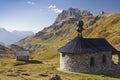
[
  {"x": 9, "y": 51},
  {"x": 15, "y": 47},
  {"x": 6, "y": 52},
  {"x": 109, "y": 28}
]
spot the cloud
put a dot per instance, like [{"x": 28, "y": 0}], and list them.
[
  {"x": 30, "y": 3},
  {"x": 52, "y": 7},
  {"x": 55, "y": 9}
]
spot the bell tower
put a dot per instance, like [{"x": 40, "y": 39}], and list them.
[{"x": 80, "y": 28}]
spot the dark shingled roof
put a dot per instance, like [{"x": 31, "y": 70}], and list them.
[{"x": 87, "y": 45}]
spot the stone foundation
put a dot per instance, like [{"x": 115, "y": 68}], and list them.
[{"x": 81, "y": 63}]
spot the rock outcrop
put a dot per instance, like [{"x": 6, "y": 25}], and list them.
[{"x": 67, "y": 16}]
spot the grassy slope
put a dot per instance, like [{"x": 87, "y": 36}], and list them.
[
  {"x": 6, "y": 52},
  {"x": 50, "y": 55},
  {"x": 108, "y": 28}
]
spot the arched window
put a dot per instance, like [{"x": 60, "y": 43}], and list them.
[
  {"x": 104, "y": 59},
  {"x": 63, "y": 54},
  {"x": 92, "y": 61}
]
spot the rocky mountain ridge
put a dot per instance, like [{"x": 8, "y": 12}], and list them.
[
  {"x": 62, "y": 28},
  {"x": 72, "y": 13},
  {"x": 67, "y": 16}
]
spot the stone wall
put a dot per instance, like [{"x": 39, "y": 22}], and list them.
[
  {"x": 22, "y": 58},
  {"x": 81, "y": 62},
  {"x": 119, "y": 58}
]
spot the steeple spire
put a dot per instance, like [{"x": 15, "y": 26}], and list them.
[{"x": 80, "y": 28}]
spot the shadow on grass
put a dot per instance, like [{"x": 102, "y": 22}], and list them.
[
  {"x": 19, "y": 63},
  {"x": 112, "y": 74},
  {"x": 34, "y": 62},
  {"x": 43, "y": 75}
]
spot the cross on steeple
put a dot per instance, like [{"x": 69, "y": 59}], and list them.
[{"x": 80, "y": 28}]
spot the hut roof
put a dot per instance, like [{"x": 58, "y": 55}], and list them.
[{"x": 87, "y": 45}]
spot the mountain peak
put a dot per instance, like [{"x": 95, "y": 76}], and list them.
[
  {"x": 72, "y": 13},
  {"x": 8, "y": 37},
  {"x": 2, "y": 29}
]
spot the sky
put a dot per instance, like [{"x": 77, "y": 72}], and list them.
[{"x": 34, "y": 15}]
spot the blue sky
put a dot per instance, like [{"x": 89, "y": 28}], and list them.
[{"x": 34, "y": 15}]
